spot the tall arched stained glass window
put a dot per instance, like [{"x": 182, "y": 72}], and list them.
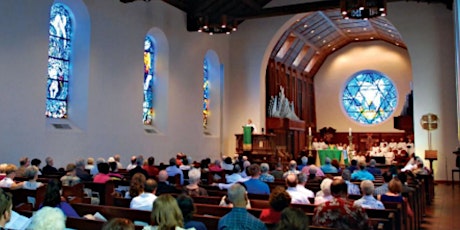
[
  {"x": 205, "y": 93},
  {"x": 369, "y": 97},
  {"x": 149, "y": 74},
  {"x": 59, "y": 65}
]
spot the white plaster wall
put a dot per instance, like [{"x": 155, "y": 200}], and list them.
[
  {"x": 330, "y": 80},
  {"x": 429, "y": 37},
  {"x": 114, "y": 123}
]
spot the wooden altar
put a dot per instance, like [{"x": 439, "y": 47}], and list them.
[{"x": 263, "y": 148}]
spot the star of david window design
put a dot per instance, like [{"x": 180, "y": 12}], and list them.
[{"x": 369, "y": 97}]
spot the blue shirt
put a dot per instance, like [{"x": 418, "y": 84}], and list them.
[
  {"x": 256, "y": 186},
  {"x": 382, "y": 189},
  {"x": 369, "y": 201},
  {"x": 362, "y": 175},
  {"x": 374, "y": 171},
  {"x": 265, "y": 177},
  {"x": 328, "y": 168},
  {"x": 240, "y": 219},
  {"x": 174, "y": 170},
  {"x": 352, "y": 188}
]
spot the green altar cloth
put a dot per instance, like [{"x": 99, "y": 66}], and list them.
[{"x": 331, "y": 153}]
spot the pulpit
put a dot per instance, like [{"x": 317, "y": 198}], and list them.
[{"x": 262, "y": 148}]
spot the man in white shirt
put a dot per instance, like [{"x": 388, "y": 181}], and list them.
[
  {"x": 144, "y": 201},
  {"x": 292, "y": 169},
  {"x": 302, "y": 178},
  {"x": 132, "y": 164},
  {"x": 297, "y": 197}
]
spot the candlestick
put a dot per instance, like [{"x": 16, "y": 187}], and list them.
[
  {"x": 309, "y": 131},
  {"x": 349, "y": 131}
]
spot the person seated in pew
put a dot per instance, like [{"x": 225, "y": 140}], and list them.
[
  {"x": 336, "y": 164},
  {"x": 368, "y": 200},
  {"x": 48, "y": 218},
  {"x": 297, "y": 196},
  {"x": 402, "y": 176},
  {"x": 292, "y": 169},
  {"x": 188, "y": 209},
  {"x": 362, "y": 173},
  {"x": 325, "y": 193},
  {"x": 293, "y": 219},
  {"x": 173, "y": 170},
  {"x": 301, "y": 185},
  {"x": 306, "y": 170},
  {"x": 133, "y": 163},
  {"x": 36, "y": 162},
  {"x": 193, "y": 188},
  {"x": 372, "y": 169},
  {"x": 6, "y": 206},
  {"x": 54, "y": 199},
  {"x": 49, "y": 167},
  {"x": 254, "y": 185},
  {"x": 313, "y": 177},
  {"x": 2, "y": 171},
  {"x": 278, "y": 172},
  {"x": 31, "y": 174},
  {"x": 113, "y": 170},
  {"x": 352, "y": 188},
  {"x": 234, "y": 176},
  {"x": 279, "y": 200},
  {"x": 227, "y": 164},
  {"x": 103, "y": 173},
  {"x": 303, "y": 163},
  {"x": 239, "y": 217},
  {"x": 327, "y": 167},
  {"x": 136, "y": 185},
  {"x": 144, "y": 201},
  {"x": 138, "y": 168},
  {"x": 7, "y": 181},
  {"x": 382, "y": 189},
  {"x": 166, "y": 214},
  {"x": 118, "y": 224},
  {"x": 70, "y": 178},
  {"x": 80, "y": 171},
  {"x": 163, "y": 184},
  {"x": 265, "y": 176},
  {"x": 394, "y": 195},
  {"x": 23, "y": 164},
  {"x": 339, "y": 212}
]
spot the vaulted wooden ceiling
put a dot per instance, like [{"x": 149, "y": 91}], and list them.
[{"x": 307, "y": 42}]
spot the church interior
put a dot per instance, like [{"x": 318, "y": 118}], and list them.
[{"x": 307, "y": 48}]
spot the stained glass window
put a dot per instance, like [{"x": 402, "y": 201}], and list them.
[
  {"x": 205, "y": 93},
  {"x": 369, "y": 97},
  {"x": 59, "y": 54},
  {"x": 149, "y": 74}
]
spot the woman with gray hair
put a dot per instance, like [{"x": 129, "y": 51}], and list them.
[
  {"x": 193, "y": 189},
  {"x": 31, "y": 174},
  {"x": 325, "y": 193}
]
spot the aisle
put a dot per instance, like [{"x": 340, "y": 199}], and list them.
[{"x": 444, "y": 212}]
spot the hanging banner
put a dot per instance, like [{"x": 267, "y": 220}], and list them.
[{"x": 247, "y": 138}]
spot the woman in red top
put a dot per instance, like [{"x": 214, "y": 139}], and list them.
[{"x": 279, "y": 199}]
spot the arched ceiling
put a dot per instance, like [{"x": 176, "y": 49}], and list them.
[{"x": 310, "y": 40}]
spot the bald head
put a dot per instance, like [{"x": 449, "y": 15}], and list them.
[
  {"x": 162, "y": 176},
  {"x": 291, "y": 180}
]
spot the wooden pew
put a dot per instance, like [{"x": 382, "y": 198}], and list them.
[
  {"x": 112, "y": 212},
  {"x": 20, "y": 196},
  {"x": 105, "y": 191}
]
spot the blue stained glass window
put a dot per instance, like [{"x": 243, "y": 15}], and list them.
[
  {"x": 149, "y": 74},
  {"x": 205, "y": 93},
  {"x": 369, "y": 97},
  {"x": 59, "y": 55}
]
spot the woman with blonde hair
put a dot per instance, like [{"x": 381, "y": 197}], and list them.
[{"x": 166, "y": 214}]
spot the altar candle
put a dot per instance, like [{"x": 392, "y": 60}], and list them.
[
  {"x": 349, "y": 131},
  {"x": 309, "y": 131}
]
